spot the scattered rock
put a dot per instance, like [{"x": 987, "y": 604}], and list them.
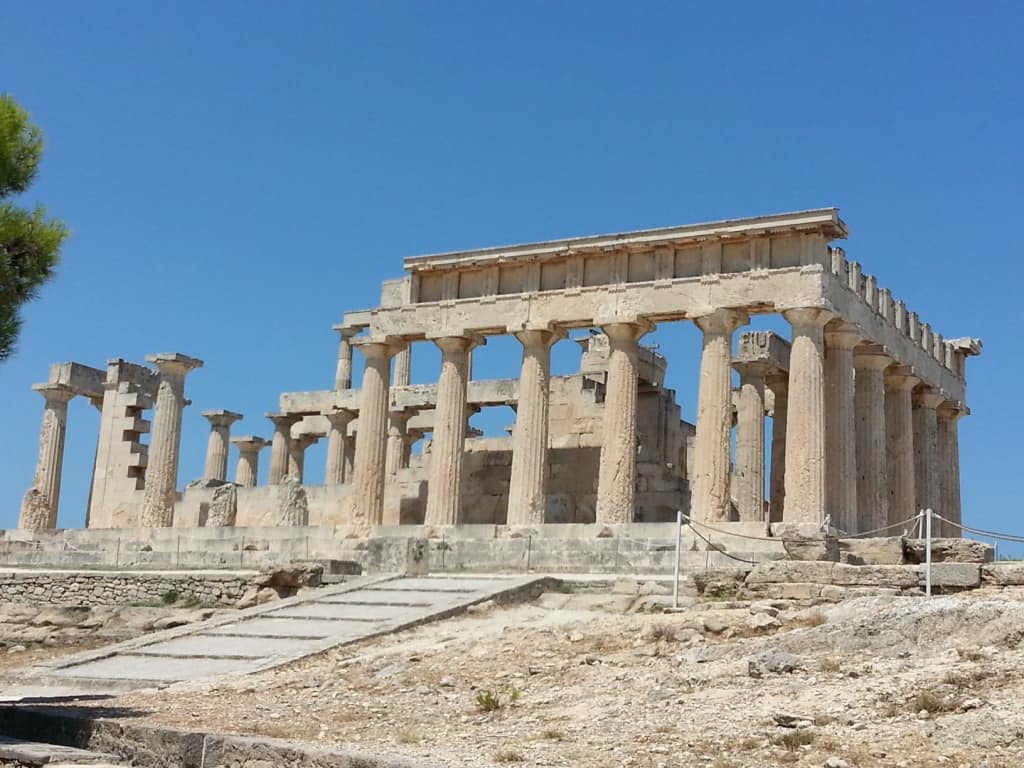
[
  {"x": 774, "y": 662},
  {"x": 223, "y": 507}
]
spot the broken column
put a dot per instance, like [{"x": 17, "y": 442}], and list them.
[
  {"x": 616, "y": 481},
  {"x": 249, "y": 447},
  {"x": 162, "y": 470},
  {"x": 217, "y": 446},
  {"x": 337, "y": 446},
  {"x": 710, "y": 499},
  {"x": 526, "y": 491},
  {"x": 281, "y": 446},
  {"x": 297, "y": 455},
  {"x": 39, "y": 507},
  {"x": 343, "y": 373}
]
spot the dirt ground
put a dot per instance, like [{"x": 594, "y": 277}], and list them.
[{"x": 578, "y": 680}]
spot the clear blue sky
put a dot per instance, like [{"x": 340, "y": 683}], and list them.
[{"x": 236, "y": 175}]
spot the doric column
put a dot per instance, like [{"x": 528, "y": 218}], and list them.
[
  {"x": 778, "y": 382},
  {"x": 217, "y": 446},
  {"x": 616, "y": 481},
  {"x": 411, "y": 438},
  {"x": 371, "y": 440},
  {"x": 444, "y": 486},
  {"x": 710, "y": 498},
  {"x": 39, "y": 507},
  {"x": 869, "y": 403},
  {"x": 805, "y": 429},
  {"x": 899, "y": 443},
  {"x": 401, "y": 373},
  {"x": 840, "y": 429},
  {"x": 526, "y": 491},
  {"x": 162, "y": 468},
  {"x": 926, "y": 448},
  {"x": 297, "y": 455},
  {"x": 749, "y": 468},
  {"x": 281, "y": 446},
  {"x": 337, "y": 446},
  {"x": 249, "y": 447},
  {"x": 949, "y": 413},
  {"x": 343, "y": 373},
  {"x": 395, "y": 454}
]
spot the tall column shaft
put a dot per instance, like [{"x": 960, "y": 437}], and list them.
[
  {"x": 218, "y": 444},
  {"x": 948, "y": 437},
  {"x": 280, "y": 447},
  {"x": 805, "y": 438},
  {"x": 710, "y": 499},
  {"x": 749, "y": 469},
  {"x": 337, "y": 445},
  {"x": 162, "y": 468},
  {"x": 402, "y": 373},
  {"x": 616, "y": 481},
  {"x": 343, "y": 372},
  {"x": 899, "y": 444},
  {"x": 297, "y": 456},
  {"x": 779, "y": 384},
  {"x": 371, "y": 440},
  {"x": 39, "y": 508},
  {"x": 840, "y": 427},
  {"x": 394, "y": 458},
  {"x": 526, "y": 492},
  {"x": 444, "y": 486},
  {"x": 926, "y": 449},
  {"x": 247, "y": 470},
  {"x": 872, "y": 477}
]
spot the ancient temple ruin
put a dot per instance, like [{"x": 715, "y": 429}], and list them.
[{"x": 864, "y": 399}]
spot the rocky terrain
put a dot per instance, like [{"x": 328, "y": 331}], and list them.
[{"x": 594, "y": 680}]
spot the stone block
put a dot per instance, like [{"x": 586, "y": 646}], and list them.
[
  {"x": 894, "y": 576},
  {"x": 1004, "y": 574},
  {"x": 953, "y": 576},
  {"x": 785, "y": 571},
  {"x": 872, "y": 551},
  {"x": 949, "y": 550}
]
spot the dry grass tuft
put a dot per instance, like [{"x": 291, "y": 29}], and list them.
[
  {"x": 931, "y": 702},
  {"x": 793, "y": 740},
  {"x": 508, "y": 756}
]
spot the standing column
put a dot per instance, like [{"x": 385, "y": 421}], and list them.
[
  {"x": 217, "y": 446},
  {"x": 805, "y": 428},
  {"x": 39, "y": 507},
  {"x": 343, "y": 373},
  {"x": 395, "y": 454},
  {"x": 710, "y": 499},
  {"x": 926, "y": 448},
  {"x": 297, "y": 455},
  {"x": 840, "y": 429},
  {"x": 869, "y": 403},
  {"x": 249, "y": 447},
  {"x": 402, "y": 373},
  {"x": 337, "y": 448},
  {"x": 778, "y": 382},
  {"x": 444, "y": 487},
  {"x": 371, "y": 440},
  {"x": 949, "y": 413},
  {"x": 526, "y": 491},
  {"x": 899, "y": 443},
  {"x": 281, "y": 447},
  {"x": 616, "y": 481},
  {"x": 750, "y": 441},
  {"x": 160, "y": 491}
]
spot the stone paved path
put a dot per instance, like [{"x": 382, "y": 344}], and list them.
[{"x": 266, "y": 636}]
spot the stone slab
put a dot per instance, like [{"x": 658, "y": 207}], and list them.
[
  {"x": 227, "y": 647},
  {"x": 290, "y": 627},
  {"x": 131, "y": 667},
  {"x": 439, "y": 584},
  {"x": 1003, "y": 574},
  {"x": 389, "y": 597},
  {"x": 38, "y": 753},
  {"x": 342, "y": 611},
  {"x": 954, "y": 575}
]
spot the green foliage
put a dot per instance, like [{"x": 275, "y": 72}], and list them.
[
  {"x": 169, "y": 597},
  {"x": 488, "y": 701},
  {"x": 29, "y": 241}
]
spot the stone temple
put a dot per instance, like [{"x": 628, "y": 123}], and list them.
[{"x": 864, "y": 399}]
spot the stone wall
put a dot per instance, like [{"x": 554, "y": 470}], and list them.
[{"x": 124, "y": 587}]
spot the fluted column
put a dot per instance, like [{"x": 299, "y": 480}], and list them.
[
  {"x": 899, "y": 443},
  {"x": 527, "y": 487},
  {"x": 444, "y": 486},
  {"x": 616, "y": 481},
  {"x": 710, "y": 499},
  {"x": 371, "y": 439},
  {"x": 949, "y": 414},
  {"x": 281, "y": 446},
  {"x": 217, "y": 445},
  {"x": 247, "y": 470},
  {"x": 869, "y": 403},
  {"x": 395, "y": 455},
  {"x": 926, "y": 448},
  {"x": 840, "y": 426},
  {"x": 401, "y": 374},
  {"x": 343, "y": 373},
  {"x": 162, "y": 467},
  {"x": 805, "y": 429},
  {"x": 297, "y": 455},
  {"x": 778, "y": 382},
  {"x": 749, "y": 467},
  {"x": 337, "y": 446},
  {"x": 39, "y": 507}
]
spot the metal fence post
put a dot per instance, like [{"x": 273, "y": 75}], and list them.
[
  {"x": 679, "y": 544},
  {"x": 928, "y": 552}
]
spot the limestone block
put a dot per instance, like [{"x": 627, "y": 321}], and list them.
[
  {"x": 292, "y": 505},
  {"x": 803, "y": 542},
  {"x": 871, "y": 551},
  {"x": 955, "y": 550},
  {"x": 224, "y": 507},
  {"x": 894, "y": 576},
  {"x": 1003, "y": 574},
  {"x": 954, "y": 575},
  {"x": 784, "y": 571}
]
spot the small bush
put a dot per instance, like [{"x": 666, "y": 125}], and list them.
[
  {"x": 552, "y": 735},
  {"x": 664, "y": 632},
  {"x": 409, "y": 736},
  {"x": 508, "y": 756},
  {"x": 792, "y": 740},
  {"x": 830, "y": 664},
  {"x": 488, "y": 701},
  {"x": 931, "y": 702},
  {"x": 815, "y": 619},
  {"x": 169, "y": 597}
]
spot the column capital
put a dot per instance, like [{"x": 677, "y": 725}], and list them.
[
  {"x": 221, "y": 418},
  {"x": 346, "y": 331},
  {"x": 464, "y": 343},
  {"x": 901, "y": 378},
  {"x": 626, "y": 330},
  {"x": 927, "y": 397},
  {"x": 777, "y": 381},
  {"x": 871, "y": 357},
  {"x": 813, "y": 317},
  {"x": 303, "y": 441},
  {"x": 378, "y": 347},
  {"x": 401, "y": 415},
  {"x": 952, "y": 410},
  {"x": 840, "y": 334},
  {"x": 283, "y": 420},
  {"x": 752, "y": 369},
  {"x": 174, "y": 363},
  {"x": 249, "y": 443},
  {"x": 537, "y": 337},
  {"x": 340, "y": 418},
  {"x": 54, "y": 393},
  {"x": 722, "y": 320}
]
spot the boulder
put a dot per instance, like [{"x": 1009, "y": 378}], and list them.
[
  {"x": 774, "y": 662},
  {"x": 294, "y": 576},
  {"x": 803, "y": 542},
  {"x": 881, "y": 550}
]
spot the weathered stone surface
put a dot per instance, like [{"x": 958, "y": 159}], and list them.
[
  {"x": 895, "y": 576},
  {"x": 952, "y": 550},
  {"x": 953, "y": 575},
  {"x": 292, "y": 506},
  {"x": 1003, "y": 574},
  {"x": 791, "y": 572},
  {"x": 224, "y": 507},
  {"x": 871, "y": 551},
  {"x": 774, "y": 662}
]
